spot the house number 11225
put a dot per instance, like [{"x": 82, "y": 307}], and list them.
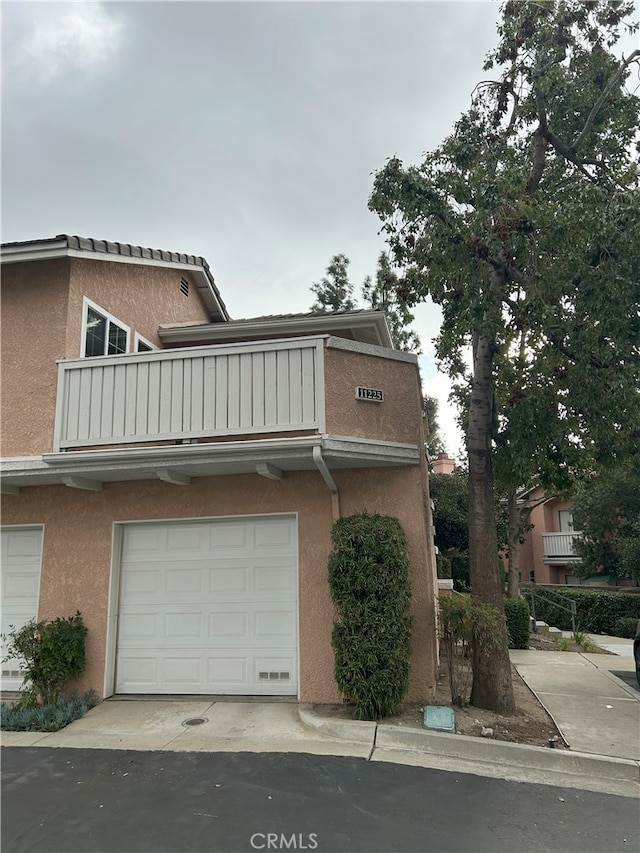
[{"x": 374, "y": 395}]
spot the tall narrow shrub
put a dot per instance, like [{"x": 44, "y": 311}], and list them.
[{"x": 369, "y": 584}]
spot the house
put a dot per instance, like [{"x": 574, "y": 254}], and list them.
[
  {"x": 174, "y": 474},
  {"x": 548, "y": 551}
]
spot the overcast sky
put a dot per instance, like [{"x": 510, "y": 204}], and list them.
[{"x": 244, "y": 132}]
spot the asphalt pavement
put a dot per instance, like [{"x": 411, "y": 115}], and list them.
[{"x": 119, "y": 801}]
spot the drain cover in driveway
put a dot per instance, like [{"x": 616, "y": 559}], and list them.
[{"x": 195, "y": 721}]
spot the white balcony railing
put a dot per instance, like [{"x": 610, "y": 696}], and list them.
[
  {"x": 560, "y": 547},
  {"x": 261, "y": 387}
]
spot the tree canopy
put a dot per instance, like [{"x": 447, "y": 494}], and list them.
[
  {"x": 524, "y": 226},
  {"x": 334, "y": 292},
  {"x": 607, "y": 511}
]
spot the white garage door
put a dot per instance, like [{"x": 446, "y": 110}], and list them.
[
  {"x": 209, "y": 607},
  {"x": 21, "y": 554}
]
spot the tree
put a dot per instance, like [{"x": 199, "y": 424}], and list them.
[
  {"x": 607, "y": 511},
  {"x": 435, "y": 444},
  {"x": 383, "y": 296},
  {"x": 450, "y": 495},
  {"x": 524, "y": 226},
  {"x": 334, "y": 292}
]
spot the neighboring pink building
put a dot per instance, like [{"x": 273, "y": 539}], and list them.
[
  {"x": 174, "y": 474},
  {"x": 548, "y": 552}
]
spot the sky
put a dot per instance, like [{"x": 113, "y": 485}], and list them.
[{"x": 244, "y": 132}]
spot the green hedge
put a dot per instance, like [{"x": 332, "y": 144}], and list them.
[
  {"x": 369, "y": 583},
  {"x": 625, "y": 627},
  {"x": 597, "y": 610},
  {"x": 516, "y": 611}
]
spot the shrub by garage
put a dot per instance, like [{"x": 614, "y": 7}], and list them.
[{"x": 369, "y": 584}]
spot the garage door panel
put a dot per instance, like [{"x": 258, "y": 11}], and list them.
[
  {"x": 274, "y": 625},
  {"x": 273, "y": 534},
  {"x": 140, "y": 583},
  {"x": 180, "y": 626},
  {"x": 274, "y": 577},
  {"x": 188, "y": 539},
  {"x": 22, "y": 583},
  {"x": 145, "y": 542},
  {"x": 229, "y": 672},
  {"x": 228, "y": 626},
  {"x": 135, "y": 626},
  {"x": 211, "y": 621},
  {"x": 184, "y": 671},
  {"x": 226, "y": 579},
  {"x": 184, "y": 582},
  {"x": 26, "y": 543},
  {"x": 140, "y": 671},
  {"x": 229, "y": 537}
]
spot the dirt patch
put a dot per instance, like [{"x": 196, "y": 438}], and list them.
[{"x": 530, "y": 724}]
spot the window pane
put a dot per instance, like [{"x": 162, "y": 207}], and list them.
[
  {"x": 117, "y": 339},
  {"x": 96, "y": 332},
  {"x": 142, "y": 347}
]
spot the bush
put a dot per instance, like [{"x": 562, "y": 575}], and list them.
[
  {"x": 369, "y": 584},
  {"x": 597, "y": 610},
  {"x": 516, "y": 611},
  {"x": 625, "y": 627},
  {"x": 26, "y": 717},
  {"x": 464, "y": 622},
  {"x": 53, "y": 654}
]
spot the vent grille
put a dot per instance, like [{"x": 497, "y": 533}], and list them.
[
  {"x": 274, "y": 676},
  {"x": 184, "y": 287}
]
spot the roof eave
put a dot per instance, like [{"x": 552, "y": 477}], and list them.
[
  {"x": 374, "y": 320},
  {"x": 45, "y": 250}
]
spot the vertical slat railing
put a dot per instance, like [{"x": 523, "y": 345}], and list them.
[{"x": 258, "y": 387}]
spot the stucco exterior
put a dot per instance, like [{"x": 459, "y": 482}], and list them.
[
  {"x": 77, "y": 552},
  {"x": 83, "y": 515},
  {"x": 42, "y": 314},
  {"x": 35, "y": 299},
  {"x": 397, "y": 418}
]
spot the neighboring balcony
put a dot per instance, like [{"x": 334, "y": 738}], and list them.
[
  {"x": 559, "y": 548},
  {"x": 186, "y": 394}
]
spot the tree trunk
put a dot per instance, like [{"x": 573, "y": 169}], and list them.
[
  {"x": 492, "y": 686},
  {"x": 515, "y": 529}
]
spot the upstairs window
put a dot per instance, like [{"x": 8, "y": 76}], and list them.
[
  {"x": 142, "y": 344},
  {"x": 102, "y": 334}
]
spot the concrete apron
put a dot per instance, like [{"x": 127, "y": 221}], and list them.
[{"x": 158, "y": 724}]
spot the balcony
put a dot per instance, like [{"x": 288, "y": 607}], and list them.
[
  {"x": 559, "y": 548},
  {"x": 184, "y": 394}
]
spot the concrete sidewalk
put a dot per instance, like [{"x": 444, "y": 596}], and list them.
[{"x": 596, "y": 711}]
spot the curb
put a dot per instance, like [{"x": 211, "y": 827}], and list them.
[
  {"x": 356, "y": 731},
  {"x": 467, "y": 748}
]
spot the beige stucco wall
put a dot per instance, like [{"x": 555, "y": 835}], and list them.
[
  {"x": 78, "y": 529},
  {"x": 141, "y": 296},
  {"x": 34, "y": 320},
  {"x": 42, "y": 321},
  {"x": 397, "y": 418}
]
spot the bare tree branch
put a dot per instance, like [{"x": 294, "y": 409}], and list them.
[{"x": 603, "y": 97}]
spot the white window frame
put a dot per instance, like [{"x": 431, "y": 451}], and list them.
[
  {"x": 88, "y": 303},
  {"x": 139, "y": 339}
]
